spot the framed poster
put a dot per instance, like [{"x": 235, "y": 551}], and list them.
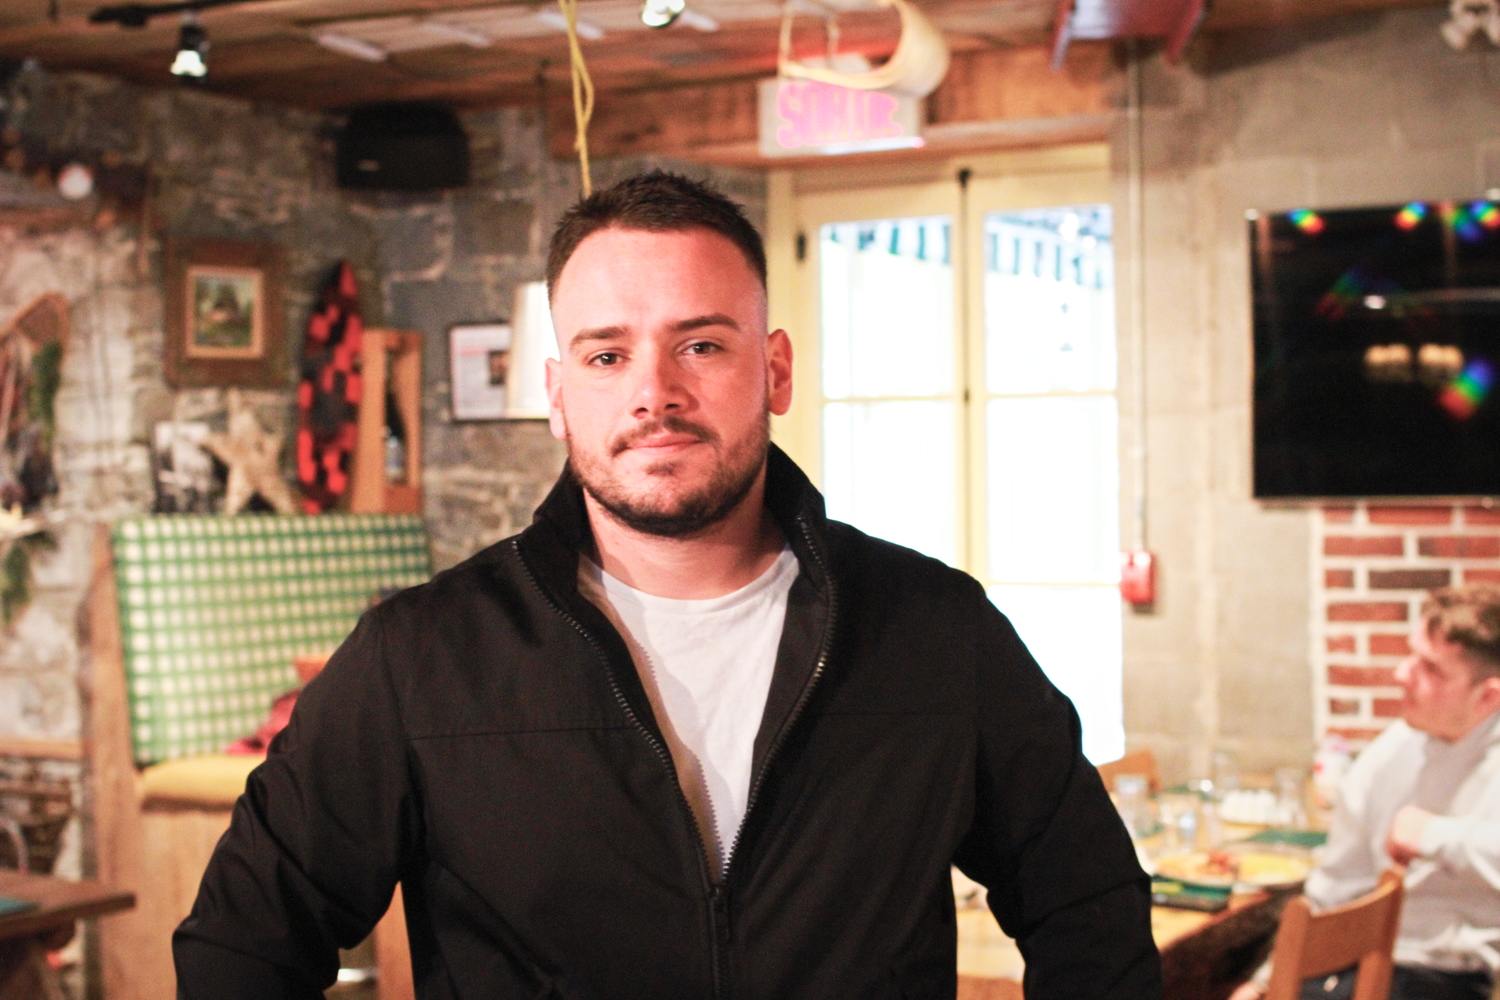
[
  {"x": 479, "y": 359},
  {"x": 225, "y": 314}
]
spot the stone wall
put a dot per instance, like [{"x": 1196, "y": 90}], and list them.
[
  {"x": 1372, "y": 109},
  {"x": 223, "y": 169}
]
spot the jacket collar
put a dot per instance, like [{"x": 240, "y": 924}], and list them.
[{"x": 560, "y": 527}]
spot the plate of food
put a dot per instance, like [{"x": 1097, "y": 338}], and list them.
[
  {"x": 1274, "y": 869},
  {"x": 1222, "y": 869},
  {"x": 1217, "y": 869}
]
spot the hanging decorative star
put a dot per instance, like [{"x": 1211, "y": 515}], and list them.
[{"x": 251, "y": 453}]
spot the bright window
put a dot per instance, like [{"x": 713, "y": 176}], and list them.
[
  {"x": 992, "y": 446},
  {"x": 1051, "y": 452}
]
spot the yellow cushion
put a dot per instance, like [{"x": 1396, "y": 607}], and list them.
[{"x": 215, "y": 779}]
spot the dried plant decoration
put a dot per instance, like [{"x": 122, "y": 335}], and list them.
[{"x": 31, "y": 354}]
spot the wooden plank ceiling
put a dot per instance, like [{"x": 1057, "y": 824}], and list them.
[{"x": 483, "y": 52}]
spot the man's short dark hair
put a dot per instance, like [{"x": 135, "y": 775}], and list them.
[
  {"x": 657, "y": 202},
  {"x": 1469, "y": 617}
]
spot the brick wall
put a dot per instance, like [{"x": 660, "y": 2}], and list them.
[{"x": 1372, "y": 566}]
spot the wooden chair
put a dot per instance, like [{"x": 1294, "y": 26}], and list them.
[
  {"x": 1360, "y": 933},
  {"x": 162, "y": 796},
  {"x": 1141, "y": 762}
]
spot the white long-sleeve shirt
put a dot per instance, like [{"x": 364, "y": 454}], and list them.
[{"x": 1451, "y": 918}]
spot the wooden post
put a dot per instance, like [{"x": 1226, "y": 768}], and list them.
[
  {"x": 132, "y": 965},
  {"x": 391, "y": 361}
]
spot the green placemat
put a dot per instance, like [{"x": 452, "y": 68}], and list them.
[
  {"x": 1186, "y": 896},
  {"x": 1290, "y": 838}
]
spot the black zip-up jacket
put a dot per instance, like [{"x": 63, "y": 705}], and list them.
[{"x": 485, "y": 740}]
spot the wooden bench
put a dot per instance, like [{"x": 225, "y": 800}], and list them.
[{"x": 193, "y": 623}]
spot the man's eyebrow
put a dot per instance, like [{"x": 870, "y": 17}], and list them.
[
  {"x": 681, "y": 326},
  {"x": 596, "y": 333},
  {"x": 699, "y": 322}
]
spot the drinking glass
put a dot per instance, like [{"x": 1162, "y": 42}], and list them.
[
  {"x": 1134, "y": 805},
  {"x": 1225, "y": 773},
  {"x": 1291, "y": 797},
  {"x": 1179, "y": 822}
]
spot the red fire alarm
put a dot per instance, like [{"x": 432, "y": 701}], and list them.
[{"x": 1138, "y": 577}]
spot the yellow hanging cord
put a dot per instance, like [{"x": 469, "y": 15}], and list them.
[{"x": 583, "y": 92}]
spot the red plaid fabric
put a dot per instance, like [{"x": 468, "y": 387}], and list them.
[{"x": 328, "y": 395}]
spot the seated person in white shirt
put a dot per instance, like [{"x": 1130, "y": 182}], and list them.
[{"x": 1426, "y": 794}]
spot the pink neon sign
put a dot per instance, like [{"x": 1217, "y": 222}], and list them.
[{"x": 820, "y": 114}]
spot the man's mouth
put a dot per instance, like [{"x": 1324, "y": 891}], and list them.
[
  {"x": 664, "y": 448},
  {"x": 662, "y": 438}
]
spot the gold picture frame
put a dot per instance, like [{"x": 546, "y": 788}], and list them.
[{"x": 226, "y": 314}]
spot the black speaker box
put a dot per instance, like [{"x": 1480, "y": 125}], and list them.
[{"x": 413, "y": 146}]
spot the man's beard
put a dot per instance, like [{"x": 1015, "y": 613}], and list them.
[{"x": 650, "y": 514}]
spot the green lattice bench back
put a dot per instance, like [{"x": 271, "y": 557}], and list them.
[{"x": 213, "y": 609}]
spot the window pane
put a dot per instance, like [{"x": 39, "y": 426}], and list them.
[
  {"x": 887, "y": 300},
  {"x": 1049, "y": 308},
  {"x": 890, "y": 469},
  {"x": 1074, "y": 633},
  {"x": 1053, "y": 485}
]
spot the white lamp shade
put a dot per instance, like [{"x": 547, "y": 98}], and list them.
[{"x": 532, "y": 343}]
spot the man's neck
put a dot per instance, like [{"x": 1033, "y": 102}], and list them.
[{"x": 713, "y": 562}]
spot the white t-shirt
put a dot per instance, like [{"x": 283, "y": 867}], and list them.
[{"x": 706, "y": 666}]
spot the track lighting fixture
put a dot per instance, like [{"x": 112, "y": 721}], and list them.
[
  {"x": 1467, "y": 18},
  {"x": 660, "y": 13},
  {"x": 192, "y": 50}
]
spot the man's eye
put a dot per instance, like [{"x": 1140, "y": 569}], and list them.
[
  {"x": 605, "y": 359},
  {"x": 702, "y": 347}
]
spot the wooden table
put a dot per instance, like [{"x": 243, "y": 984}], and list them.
[
  {"x": 1204, "y": 955},
  {"x": 26, "y": 937}
]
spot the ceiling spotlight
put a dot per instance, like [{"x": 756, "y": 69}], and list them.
[
  {"x": 1467, "y": 18},
  {"x": 192, "y": 50},
  {"x": 660, "y": 13},
  {"x": 75, "y": 182}
]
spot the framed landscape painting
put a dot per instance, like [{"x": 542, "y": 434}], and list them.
[{"x": 225, "y": 314}]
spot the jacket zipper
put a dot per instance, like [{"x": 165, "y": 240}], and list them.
[
  {"x": 720, "y": 928},
  {"x": 718, "y": 897},
  {"x": 807, "y": 689}
]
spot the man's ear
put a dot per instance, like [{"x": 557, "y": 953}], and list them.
[
  {"x": 555, "y": 419},
  {"x": 1487, "y": 697},
  {"x": 779, "y": 372}
]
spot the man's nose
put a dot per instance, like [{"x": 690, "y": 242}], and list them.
[{"x": 659, "y": 387}]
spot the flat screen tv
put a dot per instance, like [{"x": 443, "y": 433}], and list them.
[{"x": 1377, "y": 347}]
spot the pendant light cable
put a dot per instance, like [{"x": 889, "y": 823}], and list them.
[{"x": 583, "y": 93}]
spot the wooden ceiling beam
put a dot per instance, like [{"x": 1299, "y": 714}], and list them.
[{"x": 265, "y": 50}]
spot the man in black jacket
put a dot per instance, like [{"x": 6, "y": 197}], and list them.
[{"x": 683, "y": 736}]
